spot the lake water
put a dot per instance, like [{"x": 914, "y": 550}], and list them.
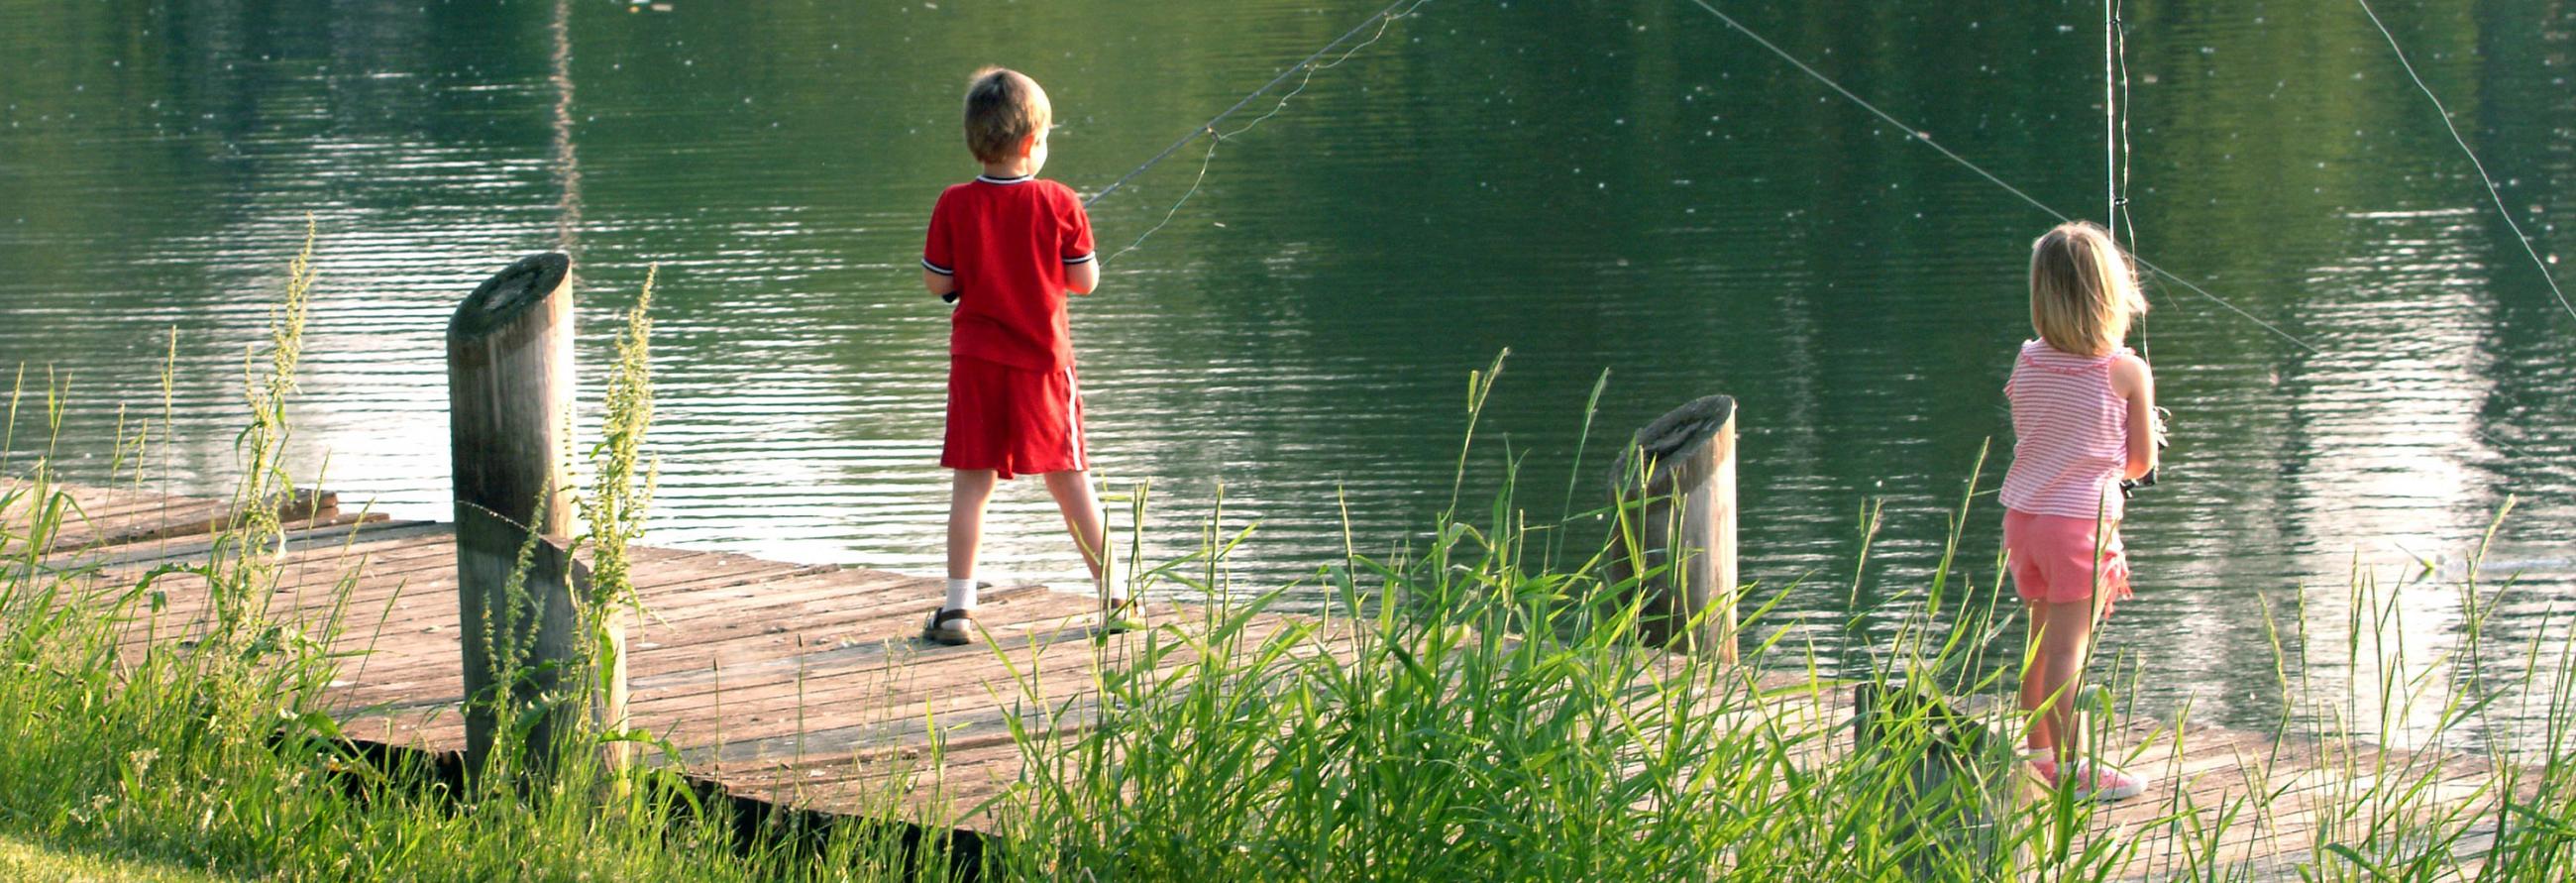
[{"x": 1621, "y": 187}]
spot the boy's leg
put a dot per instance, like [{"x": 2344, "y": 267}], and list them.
[
  {"x": 968, "y": 492},
  {"x": 1089, "y": 526}
]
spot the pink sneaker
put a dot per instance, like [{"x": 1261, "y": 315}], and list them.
[{"x": 2098, "y": 782}]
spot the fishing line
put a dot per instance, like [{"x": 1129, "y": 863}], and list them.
[
  {"x": 2110, "y": 122},
  {"x": 2119, "y": 33},
  {"x": 2519, "y": 237},
  {"x": 1209, "y": 160},
  {"x": 2116, "y": 153},
  {"x": 1384, "y": 19},
  {"x": 2115, "y": 34},
  {"x": 1926, "y": 139},
  {"x": 2128, "y": 218}
]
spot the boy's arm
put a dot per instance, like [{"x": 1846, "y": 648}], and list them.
[
  {"x": 1081, "y": 264},
  {"x": 938, "y": 254},
  {"x": 1083, "y": 277},
  {"x": 2136, "y": 384}
]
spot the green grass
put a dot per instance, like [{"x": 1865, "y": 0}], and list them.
[
  {"x": 22, "y": 859},
  {"x": 1477, "y": 708},
  {"x": 216, "y": 752},
  {"x": 1496, "y": 720}
]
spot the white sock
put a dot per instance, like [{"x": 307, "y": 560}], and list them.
[
  {"x": 1117, "y": 591},
  {"x": 961, "y": 595}
]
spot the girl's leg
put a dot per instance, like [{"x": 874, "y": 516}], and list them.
[
  {"x": 1083, "y": 519},
  {"x": 968, "y": 491},
  {"x": 2035, "y": 678},
  {"x": 2065, "y": 642}
]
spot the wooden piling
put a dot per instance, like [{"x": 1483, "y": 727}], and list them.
[
  {"x": 1964, "y": 782},
  {"x": 510, "y": 389},
  {"x": 1677, "y": 483}
]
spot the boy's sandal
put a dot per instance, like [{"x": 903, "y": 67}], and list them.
[{"x": 950, "y": 627}]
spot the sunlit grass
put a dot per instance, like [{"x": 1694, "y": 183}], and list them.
[
  {"x": 22, "y": 859},
  {"x": 215, "y": 750},
  {"x": 1476, "y": 706},
  {"x": 1477, "y": 715}
]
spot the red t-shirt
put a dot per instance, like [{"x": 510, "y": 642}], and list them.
[{"x": 1008, "y": 241}]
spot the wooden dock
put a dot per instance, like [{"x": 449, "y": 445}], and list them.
[{"x": 808, "y": 686}]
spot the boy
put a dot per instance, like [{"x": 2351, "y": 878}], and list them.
[{"x": 1006, "y": 247}]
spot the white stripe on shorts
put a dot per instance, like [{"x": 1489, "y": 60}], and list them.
[{"x": 1073, "y": 419}]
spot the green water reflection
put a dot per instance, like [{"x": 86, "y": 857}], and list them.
[{"x": 1626, "y": 187}]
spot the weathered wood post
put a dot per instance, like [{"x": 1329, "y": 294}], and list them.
[
  {"x": 1677, "y": 482},
  {"x": 509, "y": 389},
  {"x": 1964, "y": 788}
]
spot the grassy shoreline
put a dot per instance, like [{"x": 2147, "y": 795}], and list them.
[
  {"x": 1475, "y": 707},
  {"x": 1470, "y": 734}
]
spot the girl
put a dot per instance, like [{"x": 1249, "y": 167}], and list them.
[{"x": 2081, "y": 412}]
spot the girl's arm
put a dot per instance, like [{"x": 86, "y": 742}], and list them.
[{"x": 2135, "y": 384}]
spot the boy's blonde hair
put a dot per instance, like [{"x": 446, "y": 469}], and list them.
[
  {"x": 1003, "y": 108},
  {"x": 2083, "y": 291}
]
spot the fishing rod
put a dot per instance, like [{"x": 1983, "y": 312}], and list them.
[
  {"x": 2519, "y": 237},
  {"x": 1384, "y": 19},
  {"x": 2119, "y": 206},
  {"x": 2116, "y": 154},
  {"x": 2111, "y": 107},
  {"x": 1925, "y": 138}
]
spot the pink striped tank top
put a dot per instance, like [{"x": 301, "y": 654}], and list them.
[{"x": 2071, "y": 434}]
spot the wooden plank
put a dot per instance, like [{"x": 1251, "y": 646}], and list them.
[
  {"x": 807, "y": 684},
  {"x": 428, "y": 616},
  {"x": 955, "y": 703},
  {"x": 84, "y": 501},
  {"x": 776, "y": 671},
  {"x": 323, "y": 539},
  {"x": 104, "y": 518},
  {"x": 930, "y": 680},
  {"x": 421, "y": 567},
  {"x": 300, "y": 509},
  {"x": 185, "y": 597},
  {"x": 405, "y": 675}
]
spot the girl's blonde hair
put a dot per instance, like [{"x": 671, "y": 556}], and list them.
[{"x": 2083, "y": 292}]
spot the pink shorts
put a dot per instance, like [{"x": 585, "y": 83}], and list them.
[{"x": 2051, "y": 557}]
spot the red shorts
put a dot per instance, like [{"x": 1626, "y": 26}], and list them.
[
  {"x": 1012, "y": 420},
  {"x": 2052, "y": 558}
]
